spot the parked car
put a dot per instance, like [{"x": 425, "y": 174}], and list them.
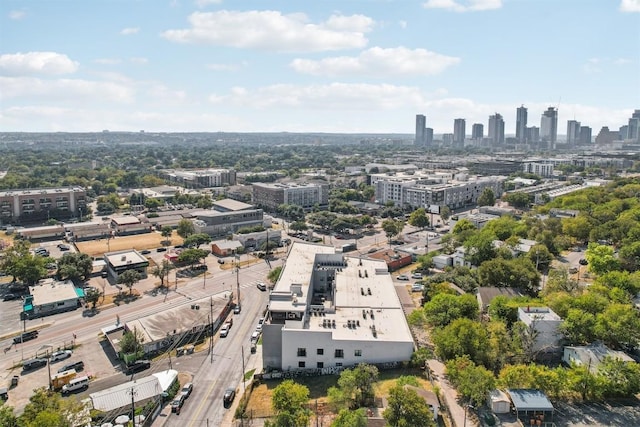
[
  {"x": 220, "y": 261},
  {"x": 161, "y": 250},
  {"x": 60, "y": 355},
  {"x": 63, "y": 247},
  {"x": 583, "y": 261},
  {"x": 145, "y": 252},
  {"x": 77, "y": 366},
  {"x": 573, "y": 270},
  {"x": 177, "y": 403},
  {"x": 186, "y": 390},
  {"x": 237, "y": 309},
  {"x": 416, "y": 275},
  {"x": 417, "y": 287},
  {"x": 403, "y": 277},
  {"x": 10, "y": 297},
  {"x": 229, "y": 396},
  {"x": 262, "y": 286},
  {"x": 32, "y": 364},
  {"x": 137, "y": 366}
]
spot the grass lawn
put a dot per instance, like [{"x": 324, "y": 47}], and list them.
[{"x": 260, "y": 401}]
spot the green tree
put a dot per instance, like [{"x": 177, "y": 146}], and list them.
[
  {"x": 185, "y": 228},
  {"x": 347, "y": 418},
  {"x": 274, "y": 274},
  {"x": 479, "y": 247},
  {"x": 620, "y": 378},
  {"x": 418, "y": 218},
  {"x": 463, "y": 337},
  {"x": 129, "y": 278},
  {"x": 48, "y": 409},
  {"x": 91, "y": 296},
  {"x": 540, "y": 256},
  {"x": 472, "y": 382},
  {"x": 618, "y": 326},
  {"x": 601, "y": 258},
  {"x": 289, "y": 400},
  {"x": 518, "y": 200},
  {"x": 445, "y": 213},
  {"x": 355, "y": 387},
  {"x": 192, "y": 255},
  {"x": 504, "y": 309},
  {"x": 487, "y": 198},
  {"x": 298, "y": 226},
  {"x": 579, "y": 326},
  {"x": 166, "y": 232},
  {"x": 23, "y": 265},
  {"x": 407, "y": 409},
  {"x": 443, "y": 309},
  {"x": 462, "y": 226},
  {"x": 7, "y": 417},
  {"x": 392, "y": 228},
  {"x": 195, "y": 240},
  {"x": 131, "y": 341},
  {"x": 75, "y": 266},
  {"x": 517, "y": 273},
  {"x": 162, "y": 271}
]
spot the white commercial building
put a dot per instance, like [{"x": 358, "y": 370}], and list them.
[{"x": 329, "y": 310}]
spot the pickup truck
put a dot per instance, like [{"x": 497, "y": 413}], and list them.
[
  {"x": 25, "y": 336},
  {"x": 224, "y": 330}
]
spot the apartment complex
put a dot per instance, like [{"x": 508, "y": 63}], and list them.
[
  {"x": 443, "y": 189},
  {"x": 329, "y": 310},
  {"x": 201, "y": 178},
  {"x": 270, "y": 196},
  {"x": 42, "y": 203}
]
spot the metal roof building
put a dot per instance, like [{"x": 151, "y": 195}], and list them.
[{"x": 531, "y": 404}]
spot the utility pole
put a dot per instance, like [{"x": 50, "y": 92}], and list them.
[
  {"x": 238, "y": 277},
  {"x": 133, "y": 404}
]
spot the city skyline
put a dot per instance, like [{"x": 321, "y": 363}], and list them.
[{"x": 334, "y": 66}]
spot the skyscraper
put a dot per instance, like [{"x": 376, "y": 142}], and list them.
[
  {"x": 633, "y": 131},
  {"x": 585, "y": 135},
  {"x": 421, "y": 124},
  {"x": 549, "y": 127},
  {"x": 521, "y": 124},
  {"x": 496, "y": 128},
  {"x": 459, "y": 129},
  {"x": 428, "y": 137},
  {"x": 573, "y": 132},
  {"x": 477, "y": 131}
]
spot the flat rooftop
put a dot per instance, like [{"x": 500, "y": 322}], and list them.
[
  {"x": 231, "y": 205},
  {"x": 49, "y": 292},
  {"x": 537, "y": 313},
  {"x": 123, "y": 258}
]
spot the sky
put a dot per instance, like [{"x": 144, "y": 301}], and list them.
[{"x": 353, "y": 66}]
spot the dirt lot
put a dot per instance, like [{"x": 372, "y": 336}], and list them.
[{"x": 139, "y": 241}]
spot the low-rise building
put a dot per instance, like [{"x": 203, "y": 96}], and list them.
[
  {"x": 592, "y": 355},
  {"x": 329, "y": 310},
  {"x": 544, "y": 324},
  {"x": 51, "y": 297},
  {"x": 41, "y": 204},
  {"x": 222, "y": 224},
  {"x": 120, "y": 261},
  {"x": 270, "y": 196}
]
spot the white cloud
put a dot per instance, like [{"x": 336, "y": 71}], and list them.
[
  {"x": 205, "y": 3},
  {"x": 138, "y": 60},
  {"x": 226, "y": 67},
  {"x": 463, "y": 5},
  {"x": 64, "y": 90},
  {"x": 16, "y": 15},
  {"x": 630, "y": 5},
  {"x": 622, "y": 61},
  {"x": 378, "y": 61},
  {"x": 331, "y": 97},
  {"x": 107, "y": 61},
  {"x": 273, "y": 31},
  {"x": 129, "y": 31},
  {"x": 403, "y": 24},
  {"x": 36, "y": 63}
]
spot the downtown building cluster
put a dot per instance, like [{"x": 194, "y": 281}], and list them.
[{"x": 544, "y": 136}]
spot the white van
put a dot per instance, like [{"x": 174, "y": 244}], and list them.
[{"x": 76, "y": 384}]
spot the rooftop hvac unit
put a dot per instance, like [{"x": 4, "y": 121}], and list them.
[
  {"x": 369, "y": 291},
  {"x": 366, "y": 274},
  {"x": 324, "y": 323},
  {"x": 364, "y": 313},
  {"x": 362, "y": 291},
  {"x": 333, "y": 323}
]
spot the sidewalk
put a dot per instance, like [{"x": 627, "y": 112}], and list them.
[{"x": 450, "y": 395}]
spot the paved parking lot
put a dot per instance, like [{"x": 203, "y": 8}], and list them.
[{"x": 623, "y": 413}]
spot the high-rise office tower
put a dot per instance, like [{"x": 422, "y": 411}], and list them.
[
  {"x": 496, "y": 128},
  {"x": 533, "y": 134},
  {"x": 573, "y": 132},
  {"x": 459, "y": 132},
  {"x": 428, "y": 137},
  {"x": 633, "y": 130},
  {"x": 623, "y": 133},
  {"x": 549, "y": 127},
  {"x": 521, "y": 124},
  {"x": 477, "y": 131},
  {"x": 585, "y": 135},
  {"x": 421, "y": 125}
]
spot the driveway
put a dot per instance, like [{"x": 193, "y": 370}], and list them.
[{"x": 450, "y": 396}]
